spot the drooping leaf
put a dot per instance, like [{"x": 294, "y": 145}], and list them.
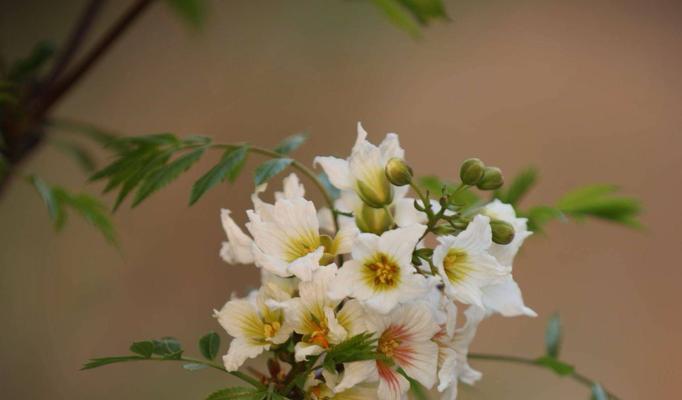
[
  {"x": 227, "y": 169},
  {"x": 291, "y": 143},
  {"x": 144, "y": 348},
  {"x": 90, "y": 208},
  {"x": 395, "y": 11},
  {"x": 194, "y": 366},
  {"x": 209, "y": 345},
  {"x": 53, "y": 205},
  {"x": 99, "y": 362},
  {"x": 239, "y": 393},
  {"x": 166, "y": 174},
  {"x": 270, "y": 168},
  {"x": 425, "y": 10},
  {"x": 192, "y": 11},
  {"x": 30, "y": 66},
  {"x": 559, "y": 367},
  {"x": 78, "y": 152},
  {"x": 601, "y": 201},
  {"x": 553, "y": 336},
  {"x": 598, "y": 392},
  {"x": 521, "y": 184}
]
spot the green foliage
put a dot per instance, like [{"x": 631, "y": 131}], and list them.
[
  {"x": 106, "y": 139},
  {"x": 419, "y": 392},
  {"x": 145, "y": 348},
  {"x": 463, "y": 198},
  {"x": 270, "y": 168},
  {"x": 78, "y": 152},
  {"x": 600, "y": 201},
  {"x": 239, "y": 393},
  {"x": 209, "y": 345},
  {"x": 58, "y": 201},
  {"x": 291, "y": 143},
  {"x": 100, "y": 362},
  {"x": 559, "y": 367},
  {"x": 357, "y": 348},
  {"x": 521, "y": 184},
  {"x": 228, "y": 168},
  {"x": 333, "y": 191},
  {"x": 29, "y": 67},
  {"x": 410, "y": 14},
  {"x": 598, "y": 392},
  {"x": 192, "y": 11},
  {"x": 553, "y": 336},
  {"x": 168, "y": 348}
]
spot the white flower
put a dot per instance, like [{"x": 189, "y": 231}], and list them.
[
  {"x": 319, "y": 389},
  {"x": 237, "y": 248},
  {"x": 505, "y": 297},
  {"x": 314, "y": 315},
  {"x": 363, "y": 172},
  {"x": 291, "y": 188},
  {"x": 453, "y": 350},
  {"x": 254, "y": 326},
  {"x": 381, "y": 274},
  {"x": 464, "y": 262},
  {"x": 405, "y": 339},
  {"x": 406, "y": 214}
]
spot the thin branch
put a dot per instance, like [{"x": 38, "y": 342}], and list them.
[{"x": 580, "y": 378}]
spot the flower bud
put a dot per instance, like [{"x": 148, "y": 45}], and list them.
[
  {"x": 503, "y": 232},
  {"x": 373, "y": 220},
  {"x": 398, "y": 172},
  {"x": 492, "y": 179},
  {"x": 471, "y": 171},
  {"x": 377, "y": 194}
]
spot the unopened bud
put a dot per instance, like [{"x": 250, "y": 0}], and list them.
[
  {"x": 492, "y": 179},
  {"x": 503, "y": 232},
  {"x": 398, "y": 172},
  {"x": 373, "y": 220},
  {"x": 471, "y": 171},
  {"x": 377, "y": 194}
]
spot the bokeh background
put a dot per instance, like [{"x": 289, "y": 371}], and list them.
[{"x": 587, "y": 91}]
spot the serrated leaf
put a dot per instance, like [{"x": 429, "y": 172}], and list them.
[
  {"x": 134, "y": 177},
  {"x": 192, "y": 11},
  {"x": 194, "y": 366},
  {"x": 144, "y": 348},
  {"x": 398, "y": 15},
  {"x": 209, "y": 345},
  {"x": 99, "y": 362},
  {"x": 291, "y": 143},
  {"x": 521, "y": 184},
  {"x": 601, "y": 201},
  {"x": 90, "y": 208},
  {"x": 52, "y": 203},
  {"x": 553, "y": 336},
  {"x": 238, "y": 393},
  {"x": 270, "y": 168},
  {"x": 166, "y": 174},
  {"x": 227, "y": 169},
  {"x": 598, "y": 392},
  {"x": 360, "y": 347},
  {"x": 559, "y": 367}
]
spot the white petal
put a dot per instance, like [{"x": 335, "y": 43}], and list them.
[
  {"x": 400, "y": 243},
  {"x": 422, "y": 365},
  {"x": 345, "y": 238},
  {"x": 303, "y": 350},
  {"x": 506, "y": 299},
  {"x": 337, "y": 170},
  {"x": 349, "y": 282},
  {"x": 304, "y": 267},
  {"x": 477, "y": 237},
  {"x": 337, "y": 333},
  {"x": 365, "y": 246},
  {"x": 361, "y": 136},
  {"x": 241, "y": 350},
  {"x": 390, "y": 147},
  {"x": 271, "y": 264},
  {"x": 356, "y": 372},
  {"x": 447, "y": 373},
  {"x": 240, "y": 318},
  {"x": 326, "y": 218},
  {"x": 392, "y": 385},
  {"x": 237, "y": 249},
  {"x": 405, "y": 214},
  {"x": 291, "y": 188}
]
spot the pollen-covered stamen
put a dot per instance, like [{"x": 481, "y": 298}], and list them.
[
  {"x": 302, "y": 246},
  {"x": 394, "y": 343},
  {"x": 382, "y": 271},
  {"x": 456, "y": 265},
  {"x": 270, "y": 329}
]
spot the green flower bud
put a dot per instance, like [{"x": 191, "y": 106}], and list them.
[
  {"x": 373, "y": 220},
  {"x": 503, "y": 232},
  {"x": 397, "y": 172},
  {"x": 376, "y": 195},
  {"x": 471, "y": 171},
  {"x": 492, "y": 179}
]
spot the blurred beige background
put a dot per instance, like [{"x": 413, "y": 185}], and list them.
[{"x": 588, "y": 91}]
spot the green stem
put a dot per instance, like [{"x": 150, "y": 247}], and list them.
[
  {"x": 578, "y": 377},
  {"x": 308, "y": 370},
  {"x": 250, "y": 380},
  {"x": 390, "y": 215}
]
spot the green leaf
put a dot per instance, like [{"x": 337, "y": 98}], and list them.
[
  {"x": 166, "y": 174},
  {"x": 598, "y": 392},
  {"x": 192, "y": 11},
  {"x": 239, "y": 393},
  {"x": 228, "y": 168},
  {"x": 168, "y": 348},
  {"x": 209, "y": 345},
  {"x": 418, "y": 391},
  {"x": 425, "y": 10},
  {"x": 540, "y": 215},
  {"x": 90, "y": 208},
  {"x": 27, "y": 68},
  {"x": 54, "y": 207},
  {"x": 270, "y": 168},
  {"x": 145, "y": 348},
  {"x": 291, "y": 143},
  {"x": 521, "y": 184},
  {"x": 78, "y": 152},
  {"x": 398, "y": 15},
  {"x": 559, "y": 367},
  {"x": 553, "y": 336},
  {"x": 134, "y": 176},
  {"x": 99, "y": 362},
  {"x": 601, "y": 201},
  {"x": 98, "y": 135},
  {"x": 194, "y": 366},
  {"x": 357, "y": 348},
  {"x": 434, "y": 184}
]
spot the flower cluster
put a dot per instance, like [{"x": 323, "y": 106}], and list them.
[{"x": 378, "y": 292}]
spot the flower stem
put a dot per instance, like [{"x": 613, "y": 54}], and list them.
[
  {"x": 250, "y": 380},
  {"x": 576, "y": 376}
]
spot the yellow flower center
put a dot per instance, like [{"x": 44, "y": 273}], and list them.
[
  {"x": 382, "y": 272},
  {"x": 270, "y": 329},
  {"x": 302, "y": 246},
  {"x": 387, "y": 344},
  {"x": 456, "y": 265}
]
